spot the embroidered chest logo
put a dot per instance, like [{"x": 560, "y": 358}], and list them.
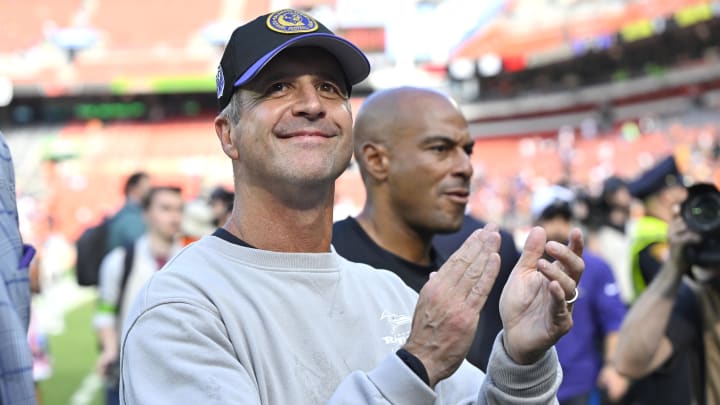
[{"x": 399, "y": 328}]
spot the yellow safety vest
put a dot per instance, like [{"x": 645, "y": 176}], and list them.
[{"x": 648, "y": 230}]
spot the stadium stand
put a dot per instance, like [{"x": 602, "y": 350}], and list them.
[
  {"x": 151, "y": 25},
  {"x": 24, "y": 22},
  {"x": 530, "y": 26}
]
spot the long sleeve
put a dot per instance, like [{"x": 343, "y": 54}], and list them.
[
  {"x": 111, "y": 272},
  {"x": 16, "y": 383},
  {"x": 178, "y": 353},
  {"x": 392, "y": 382}
]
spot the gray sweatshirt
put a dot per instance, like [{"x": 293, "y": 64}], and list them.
[{"x": 224, "y": 324}]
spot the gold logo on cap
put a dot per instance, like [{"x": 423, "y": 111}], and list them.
[{"x": 291, "y": 22}]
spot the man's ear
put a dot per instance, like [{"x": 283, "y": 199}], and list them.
[
  {"x": 223, "y": 129},
  {"x": 376, "y": 160}
]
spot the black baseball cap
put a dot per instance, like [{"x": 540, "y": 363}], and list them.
[
  {"x": 663, "y": 175},
  {"x": 253, "y": 45}
]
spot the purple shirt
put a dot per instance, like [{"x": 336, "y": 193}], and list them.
[{"x": 597, "y": 312}]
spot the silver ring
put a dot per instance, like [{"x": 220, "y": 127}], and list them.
[{"x": 574, "y": 298}]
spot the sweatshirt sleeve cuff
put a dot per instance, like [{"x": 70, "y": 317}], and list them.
[
  {"x": 532, "y": 380},
  {"x": 103, "y": 320},
  {"x": 399, "y": 384}
]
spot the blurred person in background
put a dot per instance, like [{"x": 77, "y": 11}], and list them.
[
  {"x": 413, "y": 148},
  {"x": 660, "y": 189},
  {"x": 221, "y": 204},
  {"x": 585, "y": 352},
  {"x": 16, "y": 381},
  {"x": 126, "y": 269},
  {"x": 197, "y": 221},
  {"x": 127, "y": 224},
  {"x": 608, "y": 223},
  {"x": 679, "y": 313}
]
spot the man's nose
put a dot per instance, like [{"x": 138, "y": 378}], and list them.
[
  {"x": 308, "y": 102},
  {"x": 463, "y": 166}
]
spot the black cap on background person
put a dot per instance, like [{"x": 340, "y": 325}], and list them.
[{"x": 663, "y": 175}]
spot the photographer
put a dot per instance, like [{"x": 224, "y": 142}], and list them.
[{"x": 679, "y": 312}]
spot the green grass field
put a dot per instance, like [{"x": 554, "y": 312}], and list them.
[{"x": 73, "y": 353}]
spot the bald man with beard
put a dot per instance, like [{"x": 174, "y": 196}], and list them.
[{"x": 413, "y": 148}]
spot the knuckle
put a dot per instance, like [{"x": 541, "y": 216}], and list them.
[
  {"x": 430, "y": 292},
  {"x": 460, "y": 260},
  {"x": 472, "y": 273},
  {"x": 581, "y": 266},
  {"x": 479, "y": 290}
]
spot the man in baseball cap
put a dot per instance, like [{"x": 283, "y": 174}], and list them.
[{"x": 264, "y": 311}]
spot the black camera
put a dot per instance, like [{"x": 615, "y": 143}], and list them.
[{"x": 701, "y": 212}]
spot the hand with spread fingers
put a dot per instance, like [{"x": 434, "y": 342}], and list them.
[
  {"x": 448, "y": 308},
  {"x": 536, "y": 303}
]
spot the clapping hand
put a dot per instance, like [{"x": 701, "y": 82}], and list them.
[
  {"x": 448, "y": 308},
  {"x": 534, "y": 305}
]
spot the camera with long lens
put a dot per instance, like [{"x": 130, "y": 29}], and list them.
[{"x": 701, "y": 212}]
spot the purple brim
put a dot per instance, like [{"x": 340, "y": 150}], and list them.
[{"x": 352, "y": 60}]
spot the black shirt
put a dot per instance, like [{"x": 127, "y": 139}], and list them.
[
  {"x": 685, "y": 332},
  {"x": 225, "y": 235},
  {"x": 354, "y": 244},
  {"x": 649, "y": 265}
]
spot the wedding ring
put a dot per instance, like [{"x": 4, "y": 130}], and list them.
[{"x": 574, "y": 298}]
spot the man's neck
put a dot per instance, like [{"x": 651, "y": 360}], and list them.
[
  {"x": 655, "y": 209},
  {"x": 269, "y": 223},
  {"x": 160, "y": 246},
  {"x": 132, "y": 199},
  {"x": 395, "y": 236}
]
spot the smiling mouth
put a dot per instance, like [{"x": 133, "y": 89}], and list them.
[{"x": 305, "y": 134}]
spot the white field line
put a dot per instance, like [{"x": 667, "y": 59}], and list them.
[{"x": 85, "y": 393}]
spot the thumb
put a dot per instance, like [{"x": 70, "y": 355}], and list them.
[
  {"x": 533, "y": 250},
  {"x": 601, "y": 379}
]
